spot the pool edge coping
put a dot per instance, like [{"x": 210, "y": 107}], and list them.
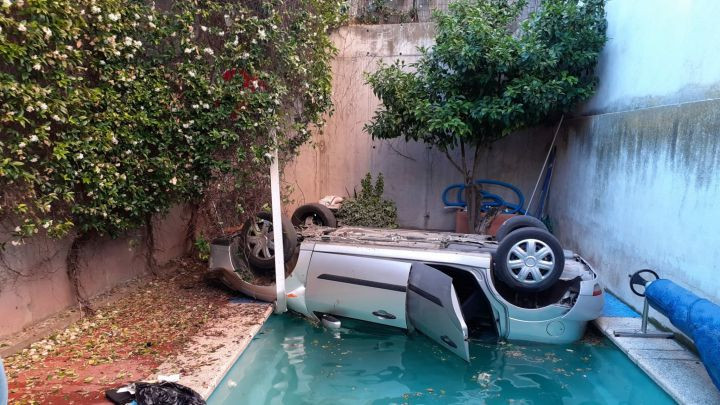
[
  {"x": 237, "y": 353},
  {"x": 674, "y": 368},
  {"x": 215, "y": 354}
]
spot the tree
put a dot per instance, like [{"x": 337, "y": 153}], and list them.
[{"x": 490, "y": 74}]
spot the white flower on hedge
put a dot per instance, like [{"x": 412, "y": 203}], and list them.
[
  {"x": 262, "y": 34},
  {"x": 55, "y": 117},
  {"x": 245, "y": 55},
  {"x": 6, "y": 3},
  {"x": 17, "y": 229},
  {"x": 203, "y": 28},
  {"x": 255, "y": 84},
  {"x": 95, "y": 10},
  {"x": 114, "y": 140},
  {"x": 209, "y": 51},
  {"x": 47, "y": 31},
  {"x": 206, "y": 106},
  {"x": 33, "y": 138},
  {"x": 37, "y": 66},
  {"x": 191, "y": 73},
  {"x": 46, "y": 225},
  {"x": 22, "y": 27},
  {"x": 128, "y": 41},
  {"x": 173, "y": 181},
  {"x": 195, "y": 106},
  {"x": 138, "y": 44},
  {"x": 188, "y": 50},
  {"x": 29, "y": 108},
  {"x": 114, "y": 16},
  {"x": 79, "y": 156},
  {"x": 152, "y": 25},
  {"x": 42, "y": 106},
  {"x": 33, "y": 160}
]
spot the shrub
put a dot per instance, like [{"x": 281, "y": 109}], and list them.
[
  {"x": 369, "y": 208},
  {"x": 113, "y": 110}
]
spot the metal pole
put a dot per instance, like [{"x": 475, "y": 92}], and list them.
[
  {"x": 542, "y": 169},
  {"x": 646, "y": 308},
  {"x": 281, "y": 303}
]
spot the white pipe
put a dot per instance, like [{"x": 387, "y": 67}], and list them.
[{"x": 281, "y": 303}]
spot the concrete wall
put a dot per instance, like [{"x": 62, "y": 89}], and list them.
[
  {"x": 343, "y": 153},
  {"x": 415, "y": 175},
  {"x": 33, "y": 279}
]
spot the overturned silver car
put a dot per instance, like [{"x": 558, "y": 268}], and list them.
[{"x": 450, "y": 287}]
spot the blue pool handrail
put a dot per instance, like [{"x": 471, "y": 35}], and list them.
[{"x": 494, "y": 200}]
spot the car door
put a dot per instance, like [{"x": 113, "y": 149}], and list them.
[
  {"x": 434, "y": 310},
  {"x": 360, "y": 287}
]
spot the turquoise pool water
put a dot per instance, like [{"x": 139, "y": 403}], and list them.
[{"x": 292, "y": 361}]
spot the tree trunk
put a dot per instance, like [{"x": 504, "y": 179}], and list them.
[
  {"x": 72, "y": 263},
  {"x": 191, "y": 231},
  {"x": 150, "y": 262},
  {"x": 472, "y": 192}
]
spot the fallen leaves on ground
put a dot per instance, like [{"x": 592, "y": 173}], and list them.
[{"x": 124, "y": 341}]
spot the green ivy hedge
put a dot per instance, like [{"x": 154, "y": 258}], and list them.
[{"x": 113, "y": 110}]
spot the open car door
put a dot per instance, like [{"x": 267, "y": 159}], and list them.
[{"x": 434, "y": 310}]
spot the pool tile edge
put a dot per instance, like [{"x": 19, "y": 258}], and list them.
[{"x": 674, "y": 368}]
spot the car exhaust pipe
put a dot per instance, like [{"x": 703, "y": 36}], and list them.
[{"x": 331, "y": 322}]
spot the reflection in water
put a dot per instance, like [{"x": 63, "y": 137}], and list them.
[{"x": 295, "y": 362}]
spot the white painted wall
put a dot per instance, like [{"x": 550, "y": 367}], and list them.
[{"x": 659, "y": 52}]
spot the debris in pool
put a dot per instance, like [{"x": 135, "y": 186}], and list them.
[{"x": 232, "y": 384}]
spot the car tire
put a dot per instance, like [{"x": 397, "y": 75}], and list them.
[
  {"x": 529, "y": 260},
  {"x": 517, "y": 222},
  {"x": 317, "y": 213},
  {"x": 256, "y": 238}
]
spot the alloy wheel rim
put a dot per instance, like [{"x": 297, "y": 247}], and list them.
[{"x": 259, "y": 239}]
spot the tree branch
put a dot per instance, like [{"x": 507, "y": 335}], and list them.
[{"x": 447, "y": 154}]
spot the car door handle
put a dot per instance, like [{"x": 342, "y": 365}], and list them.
[
  {"x": 384, "y": 314},
  {"x": 448, "y": 341}
]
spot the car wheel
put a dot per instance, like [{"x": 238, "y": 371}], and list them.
[
  {"x": 258, "y": 240},
  {"x": 529, "y": 260},
  {"x": 314, "y": 214},
  {"x": 517, "y": 222}
]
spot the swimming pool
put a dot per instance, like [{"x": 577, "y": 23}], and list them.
[{"x": 292, "y": 361}]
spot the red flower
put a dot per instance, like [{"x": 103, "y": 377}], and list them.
[
  {"x": 248, "y": 79},
  {"x": 229, "y": 74}
]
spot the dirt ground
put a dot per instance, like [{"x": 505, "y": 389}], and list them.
[{"x": 124, "y": 341}]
